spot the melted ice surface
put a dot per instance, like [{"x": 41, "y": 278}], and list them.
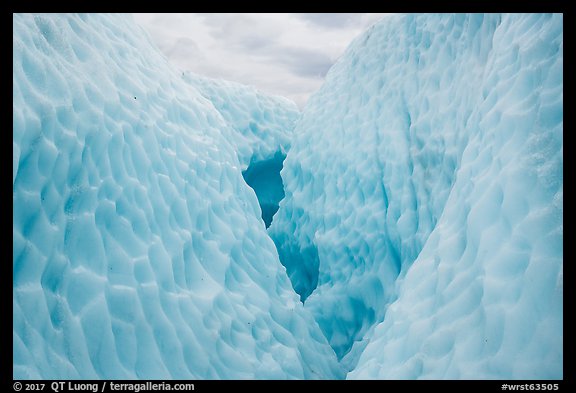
[
  {"x": 427, "y": 174},
  {"x": 139, "y": 251},
  {"x": 421, "y": 223}
]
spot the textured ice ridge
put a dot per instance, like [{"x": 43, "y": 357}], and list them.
[
  {"x": 139, "y": 251},
  {"x": 423, "y": 211},
  {"x": 421, "y": 222}
]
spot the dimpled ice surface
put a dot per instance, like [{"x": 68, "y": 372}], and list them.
[
  {"x": 139, "y": 251},
  {"x": 422, "y": 223},
  {"x": 418, "y": 216}
]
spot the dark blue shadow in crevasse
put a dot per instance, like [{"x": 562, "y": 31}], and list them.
[{"x": 264, "y": 178}]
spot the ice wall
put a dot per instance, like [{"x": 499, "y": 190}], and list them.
[
  {"x": 262, "y": 130},
  {"x": 262, "y": 124},
  {"x": 421, "y": 224},
  {"x": 138, "y": 249},
  {"x": 424, "y": 197}
]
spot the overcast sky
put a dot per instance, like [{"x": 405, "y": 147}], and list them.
[{"x": 284, "y": 54}]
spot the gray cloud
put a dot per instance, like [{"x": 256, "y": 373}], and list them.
[
  {"x": 303, "y": 62},
  {"x": 259, "y": 41},
  {"x": 182, "y": 48},
  {"x": 284, "y": 54},
  {"x": 332, "y": 20},
  {"x": 241, "y": 30}
]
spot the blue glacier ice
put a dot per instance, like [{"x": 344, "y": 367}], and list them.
[
  {"x": 422, "y": 223},
  {"x": 262, "y": 126},
  {"x": 408, "y": 224},
  {"x": 139, "y": 251}
]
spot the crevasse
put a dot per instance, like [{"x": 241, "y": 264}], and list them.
[
  {"x": 426, "y": 175},
  {"x": 139, "y": 250},
  {"x": 419, "y": 202}
]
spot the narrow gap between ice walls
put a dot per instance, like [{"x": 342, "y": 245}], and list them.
[{"x": 264, "y": 178}]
